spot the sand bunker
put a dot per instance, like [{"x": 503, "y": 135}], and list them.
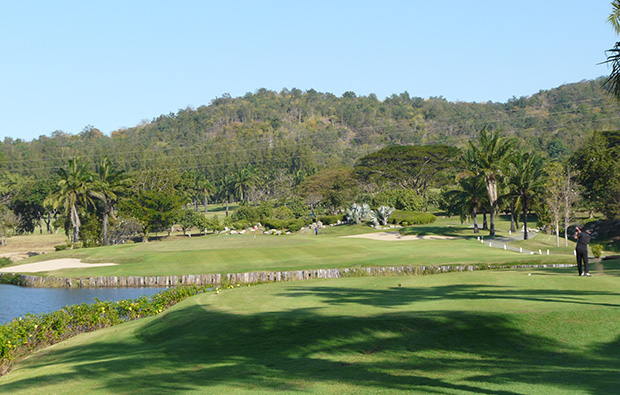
[
  {"x": 395, "y": 236},
  {"x": 54, "y": 264}
]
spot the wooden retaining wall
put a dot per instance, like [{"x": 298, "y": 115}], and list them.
[{"x": 245, "y": 278}]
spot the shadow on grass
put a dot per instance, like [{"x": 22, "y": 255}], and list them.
[
  {"x": 192, "y": 349},
  {"x": 476, "y": 293},
  {"x": 429, "y": 230}
]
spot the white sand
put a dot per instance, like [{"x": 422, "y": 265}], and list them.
[
  {"x": 54, "y": 264},
  {"x": 395, "y": 236}
]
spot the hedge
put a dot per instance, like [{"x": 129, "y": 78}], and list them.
[
  {"x": 24, "y": 335},
  {"x": 411, "y": 218}
]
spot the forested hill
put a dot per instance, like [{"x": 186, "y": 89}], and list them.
[{"x": 294, "y": 131}]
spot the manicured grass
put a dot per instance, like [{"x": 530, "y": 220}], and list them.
[
  {"x": 246, "y": 253},
  {"x": 492, "y": 332}
]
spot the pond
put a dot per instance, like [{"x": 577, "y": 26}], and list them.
[{"x": 17, "y": 301}]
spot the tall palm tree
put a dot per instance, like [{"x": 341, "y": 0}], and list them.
[
  {"x": 468, "y": 199},
  {"x": 206, "y": 187},
  {"x": 74, "y": 189},
  {"x": 225, "y": 188},
  {"x": 108, "y": 187},
  {"x": 527, "y": 175},
  {"x": 243, "y": 180},
  {"x": 613, "y": 55},
  {"x": 487, "y": 159}
]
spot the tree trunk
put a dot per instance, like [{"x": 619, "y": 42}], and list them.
[
  {"x": 525, "y": 219},
  {"x": 476, "y": 229},
  {"x": 485, "y": 224},
  {"x": 105, "y": 225},
  {"x": 557, "y": 233},
  {"x": 227, "y": 206},
  {"x": 205, "y": 198},
  {"x": 513, "y": 227}
]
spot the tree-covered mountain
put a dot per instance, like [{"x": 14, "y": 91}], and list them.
[{"x": 293, "y": 132}]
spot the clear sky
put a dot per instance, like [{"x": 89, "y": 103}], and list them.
[{"x": 111, "y": 64}]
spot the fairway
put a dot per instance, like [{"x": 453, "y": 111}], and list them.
[
  {"x": 304, "y": 250},
  {"x": 501, "y": 332}
]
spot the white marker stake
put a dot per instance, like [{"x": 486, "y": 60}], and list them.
[
  {"x": 539, "y": 252},
  {"x": 504, "y": 246},
  {"x": 520, "y": 249},
  {"x": 547, "y": 252}
]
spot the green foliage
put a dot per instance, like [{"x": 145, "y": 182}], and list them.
[
  {"x": 91, "y": 231},
  {"x": 411, "y": 218},
  {"x": 400, "y": 199},
  {"x": 282, "y": 212},
  {"x": 293, "y": 225},
  {"x": 598, "y": 163},
  {"x": 241, "y": 224},
  {"x": 22, "y": 336},
  {"x": 331, "y": 219},
  {"x": 597, "y": 250},
  {"x": 4, "y": 261},
  {"x": 61, "y": 247},
  {"x": 413, "y": 167},
  {"x": 274, "y": 223},
  {"x": 156, "y": 211},
  {"x": 190, "y": 219}
]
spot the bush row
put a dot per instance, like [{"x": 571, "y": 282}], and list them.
[
  {"x": 23, "y": 335},
  {"x": 411, "y": 218}
]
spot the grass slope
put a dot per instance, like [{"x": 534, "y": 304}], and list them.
[
  {"x": 499, "y": 332},
  {"x": 245, "y": 253}
]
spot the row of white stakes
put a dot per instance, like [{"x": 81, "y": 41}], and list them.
[{"x": 481, "y": 240}]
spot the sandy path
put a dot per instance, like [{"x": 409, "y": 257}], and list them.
[
  {"x": 54, "y": 264},
  {"x": 395, "y": 236}
]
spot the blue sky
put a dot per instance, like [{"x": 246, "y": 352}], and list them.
[{"x": 111, "y": 64}]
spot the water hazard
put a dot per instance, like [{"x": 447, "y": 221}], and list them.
[{"x": 17, "y": 301}]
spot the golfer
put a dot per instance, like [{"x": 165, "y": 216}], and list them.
[{"x": 583, "y": 238}]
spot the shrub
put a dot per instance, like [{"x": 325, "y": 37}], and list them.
[
  {"x": 247, "y": 213},
  {"x": 22, "y": 336},
  {"x": 4, "y": 261},
  {"x": 597, "y": 250},
  {"x": 411, "y": 218},
  {"x": 282, "y": 212},
  {"x": 329, "y": 219},
  {"x": 239, "y": 225},
  {"x": 401, "y": 199},
  {"x": 61, "y": 247},
  {"x": 295, "y": 225},
  {"x": 274, "y": 223}
]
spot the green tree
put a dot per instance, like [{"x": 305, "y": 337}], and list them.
[
  {"x": 486, "y": 158},
  {"x": 467, "y": 199},
  {"x": 598, "y": 166},
  {"x": 108, "y": 187},
  {"x": 527, "y": 177},
  {"x": 407, "y": 167},
  {"x": 74, "y": 189},
  {"x": 154, "y": 210},
  {"x": 243, "y": 180},
  {"x": 613, "y": 55}
]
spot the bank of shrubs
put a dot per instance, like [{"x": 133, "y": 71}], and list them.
[
  {"x": 23, "y": 335},
  {"x": 400, "y": 217}
]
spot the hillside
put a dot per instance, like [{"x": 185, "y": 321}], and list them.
[{"x": 294, "y": 131}]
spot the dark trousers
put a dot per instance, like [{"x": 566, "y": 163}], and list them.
[{"x": 582, "y": 256}]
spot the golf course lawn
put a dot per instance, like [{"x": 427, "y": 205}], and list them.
[
  {"x": 304, "y": 250},
  {"x": 493, "y": 332}
]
